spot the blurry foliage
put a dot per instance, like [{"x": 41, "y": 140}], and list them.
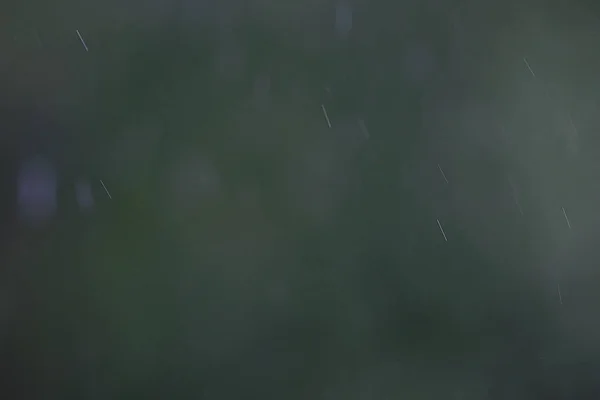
[{"x": 251, "y": 291}]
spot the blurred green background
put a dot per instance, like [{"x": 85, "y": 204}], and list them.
[{"x": 250, "y": 251}]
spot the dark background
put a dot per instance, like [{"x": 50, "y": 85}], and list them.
[{"x": 250, "y": 251}]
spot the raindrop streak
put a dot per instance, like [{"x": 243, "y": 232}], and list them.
[
  {"x": 326, "y": 116},
  {"x": 105, "y": 189},
  {"x": 82, "y": 41},
  {"x": 566, "y": 218},
  {"x": 529, "y": 67},
  {"x": 443, "y": 174},
  {"x": 363, "y": 127},
  {"x": 442, "y": 230},
  {"x": 559, "y": 294}
]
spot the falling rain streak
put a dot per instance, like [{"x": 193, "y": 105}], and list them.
[
  {"x": 364, "y": 129},
  {"x": 566, "y": 218},
  {"x": 442, "y": 230},
  {"x": 559, "y": 294},
  {"x": 37, "y": 190},
  {"x": 528, "y": 67},
  {"x": 105, "y": 189},
  {"x": 326, "y": 116},
  {"x": 81, "y": 39},
  {"x": 443, "y": 174}
]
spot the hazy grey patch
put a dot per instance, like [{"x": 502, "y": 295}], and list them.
[
  {"x": 230, "y": 60},
  {"x": 262, "y": 89},
  {"x": 315, "y": 182},
  {"x": 405, "y": 379},
  {"x": 481, "y": 130},
  {"x": 115, "y": 15},
  {"x": 249, "y": 197},
  {"x": 419, "y": 62},
  {"x": 133, "y": 153},
  {"x": 571, "y": 136},
  {"x": 37, "y": 190},
  {"x": 350, "y": 134},
  {"x": 8, "y": 307},
  {"x": 195, "y": 12},
  {"x": 191, "y": 179},
  {"x": 83, "y": 193},
  {"x": 343, "y": 18}
]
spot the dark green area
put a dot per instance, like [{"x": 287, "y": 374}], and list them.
[{"x": 272, "y": 298}]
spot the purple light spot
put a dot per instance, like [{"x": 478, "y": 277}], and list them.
[{"x": 37, "y": 190}]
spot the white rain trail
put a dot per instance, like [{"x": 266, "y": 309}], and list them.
[
  {"x": 529, "y": 67},
  {"x": 559, "y": 294},
  {"x": 566, "y": 218},
  {"x": 442, "y": 230},
  {"x": 443, "y": 174},
  {"x": 326, "y": 116},
  {"x": 82, "y": 41},
  {"x": 105, "y": 189},
  {"x": 363, "y": 127}
]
